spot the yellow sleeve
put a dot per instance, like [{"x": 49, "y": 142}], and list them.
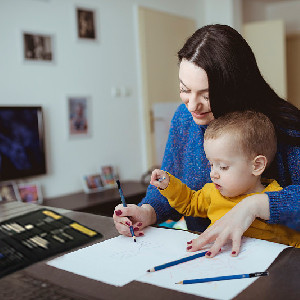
[{"x": 185, "y": 200}]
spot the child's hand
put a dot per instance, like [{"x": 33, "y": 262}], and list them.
[{"x": 160, "y": 179}]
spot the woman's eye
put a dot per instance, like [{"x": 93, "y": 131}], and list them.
[
  {"x": 206, "y": 98},
  {"x": 183, "y": 90},
  {"x": 224, "y": 168}
]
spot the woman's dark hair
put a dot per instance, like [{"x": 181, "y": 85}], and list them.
[{"x": 235, "y": 82}]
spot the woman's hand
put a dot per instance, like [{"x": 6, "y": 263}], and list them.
[
  {"x": 160, "y": 179},
  {"x": 137, "y": 216},
  {"x": 232, "y": 225}
]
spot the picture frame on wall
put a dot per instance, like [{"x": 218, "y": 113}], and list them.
[
  {"x": 30, "y": 193},
  {"x": 78, "y": 116},
  {"x": 37, "y": 47},
  {"x": 86, "y": 23},
  {"x": 9, "y": 192}
]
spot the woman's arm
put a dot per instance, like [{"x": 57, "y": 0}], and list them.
[
  {"x": 154, "y": 208},
  {"x": 284, "y": 205},
  {"x": 232, "y": 225},
  {"x": 171, "y": 163}
]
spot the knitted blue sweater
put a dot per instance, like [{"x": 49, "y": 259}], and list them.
[{"x": 185, "y": 159}]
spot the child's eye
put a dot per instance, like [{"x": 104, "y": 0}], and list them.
[{"x": 224, "y": 168}]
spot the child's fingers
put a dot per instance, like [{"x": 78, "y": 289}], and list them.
[
  {"x": 158, "y": 179},
  {"x": 155, "y": 175}
]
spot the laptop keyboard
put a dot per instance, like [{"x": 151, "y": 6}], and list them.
[{"x": 20, "y": 285}]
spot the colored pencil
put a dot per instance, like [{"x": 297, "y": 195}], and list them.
[
  {"x": 161, "y": 179},
  {"x": 229, "y": 277},
  {"x": 177, "y": 262},
  {"x": 125, "y": 205}
]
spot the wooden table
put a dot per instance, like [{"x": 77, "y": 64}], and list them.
[{"x": 283, "y": 282}]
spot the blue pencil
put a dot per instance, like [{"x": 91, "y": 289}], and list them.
[
  {"x": 177, "y": 262},
  {"x": 229, "y": 277},
  {"x": 125, "y": 205},
  {"x": 161, "y": 179}
]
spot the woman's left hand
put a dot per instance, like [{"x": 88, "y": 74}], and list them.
[{"x": 232, "y": 225}]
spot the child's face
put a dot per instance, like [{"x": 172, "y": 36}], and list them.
[{"x": 231, "y": 170}]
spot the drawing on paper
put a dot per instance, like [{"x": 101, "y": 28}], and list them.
[{"x": 134, "y": 250}]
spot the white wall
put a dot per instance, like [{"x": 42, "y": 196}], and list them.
[
  {"x": 81, "y": 68},
  {"x": 254, "y": 10},
  {"x": 224, "y": 12},
  {"x": 288, "y": 11}
]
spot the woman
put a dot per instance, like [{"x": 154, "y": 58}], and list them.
[{"x": 218, "y": 74}]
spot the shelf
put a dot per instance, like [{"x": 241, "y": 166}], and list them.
[{"x": 101, "y": 203}]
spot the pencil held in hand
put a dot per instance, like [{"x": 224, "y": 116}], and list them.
[
  {"x": 125, "y": 205},
  {"x": 161, "y": 179}
]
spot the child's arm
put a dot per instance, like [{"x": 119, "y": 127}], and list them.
[{"x": 182, "y": 198}]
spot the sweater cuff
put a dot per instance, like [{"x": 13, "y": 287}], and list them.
[
  {"x": 277, "y": 200},
  {"x": 162, "y": 209}
]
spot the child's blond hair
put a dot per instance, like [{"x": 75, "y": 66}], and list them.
[{"x": 253, "y": 132}]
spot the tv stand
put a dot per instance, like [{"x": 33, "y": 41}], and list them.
[{"x": 99, "y": 203}]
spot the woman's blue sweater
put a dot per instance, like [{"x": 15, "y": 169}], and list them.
[{"x": 185, "y": 159}]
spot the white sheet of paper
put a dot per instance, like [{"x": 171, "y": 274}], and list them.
[
  {"x": 255, "y": 256},
  {"x": 119, "y": 260}
]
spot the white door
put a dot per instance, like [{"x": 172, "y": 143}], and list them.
[
  {"x": 161, "y": 35},
  {"x": 268, "y": 42},
  {"x": 162, "y": 116},
  {"x": 293, "y": 69}
]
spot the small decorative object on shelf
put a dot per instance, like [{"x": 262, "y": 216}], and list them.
[
  {"x": 109, "y": 176},
  {"x": 9, "y": 192},
  {"x": 30, "y": 193},
  {"x": 92, "y": 183},
  {"x": 100, "y": 181}
]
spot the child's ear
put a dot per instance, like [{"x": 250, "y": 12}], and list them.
[{"x": 259, "y": 165}]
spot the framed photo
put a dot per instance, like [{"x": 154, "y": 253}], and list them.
[
  {"x": 30, "y": 193},
  {"x": 78, "y": 116},
  {"x": 38, "y": 47},
  {"x": 86, "y": 23},
  {"x": 9, "y": 192},
  {"x": 108, "y": 176},
  {"x": 92, "y": 183}
]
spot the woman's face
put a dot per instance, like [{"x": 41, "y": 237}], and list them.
[{"x": 194, "y": 92}]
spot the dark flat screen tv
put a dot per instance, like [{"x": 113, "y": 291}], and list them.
[{"x": 22, "y": 147}]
